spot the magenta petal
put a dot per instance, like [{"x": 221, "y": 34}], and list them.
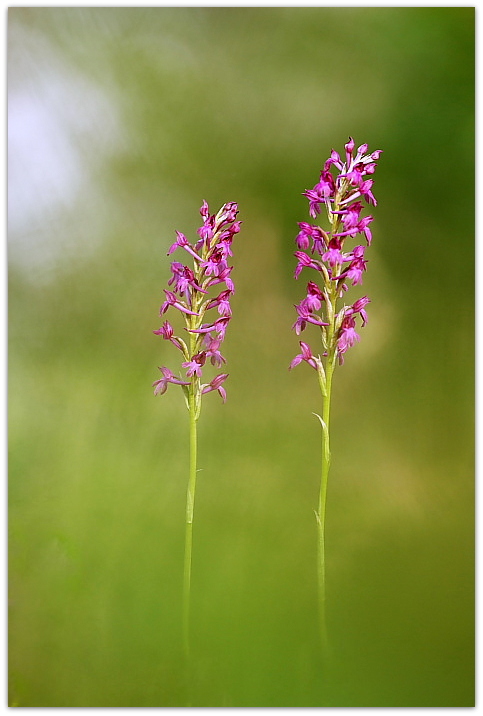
[{"x": 298, "y": 359}]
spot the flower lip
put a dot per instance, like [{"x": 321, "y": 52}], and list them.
[
  {"x": 216, "y": 384},
  {"x": 195, "y": 365},
  {"x": 347, "y": 334},
  {"x": 305, "y": 355},
  {"x": 171, "y": 300},
  {"x": 218, "y": 325},
  {"x": 160, "y": 385}
]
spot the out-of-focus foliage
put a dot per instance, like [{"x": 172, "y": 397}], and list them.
[{"x": 121, "y": 120}]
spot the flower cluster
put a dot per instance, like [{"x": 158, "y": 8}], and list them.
[
  {"x": 189, "y": 294},
  {"x": 343, "y": 194}
]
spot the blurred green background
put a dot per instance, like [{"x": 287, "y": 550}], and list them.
[{"x": 121, "y": 121}]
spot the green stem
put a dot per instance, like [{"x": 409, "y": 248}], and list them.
[
  {"x": 321, "y": 512},
  {"x": 326, "y": 390},
  {"x": 325, "y": 381},
  {"x": 190, "y": 502}
]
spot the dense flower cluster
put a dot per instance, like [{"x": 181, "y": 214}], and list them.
[
  {"x": 190, "y": 296},
  {"x": 342, "y": 194}
]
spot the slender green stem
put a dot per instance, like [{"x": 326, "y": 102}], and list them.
[
  {"x": 326, "y": 390},
  {"x": 194, "y": 405},
  {"x": 321, "y": 512},
  {"x": 190, "y": 503}
]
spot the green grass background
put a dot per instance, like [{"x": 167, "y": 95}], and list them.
[{"x": 242, "y": 104}]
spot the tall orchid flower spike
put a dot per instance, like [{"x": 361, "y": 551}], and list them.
[
  {"x": 190, "y": 286},
  {"x": 342, "y": 194}
]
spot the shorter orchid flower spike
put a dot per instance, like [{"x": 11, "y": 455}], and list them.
[{"x": 190, "y": 296}]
